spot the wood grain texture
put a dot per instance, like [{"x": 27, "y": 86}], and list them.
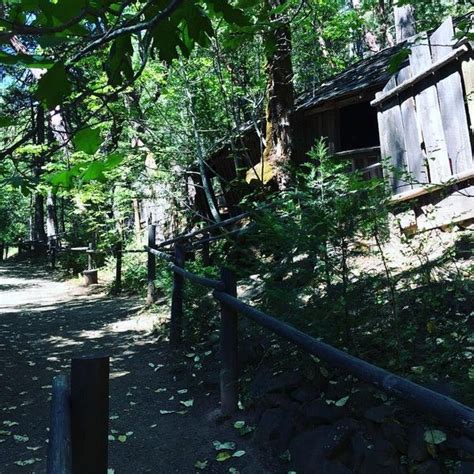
[
  {"x": 430, "y": 116},
  {"x": 451, "y": 101},
  {"x": 412, "y": 134},
  {"x": 392, "y": 141}
]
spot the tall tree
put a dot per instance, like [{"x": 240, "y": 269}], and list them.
[{"x": 280, "y": 97}]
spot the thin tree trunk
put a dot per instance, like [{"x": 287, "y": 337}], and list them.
[
  {"x": 39, "y": 233},
  {"x": 136, "y": 219},
  {"x": 206, "y": 183}
]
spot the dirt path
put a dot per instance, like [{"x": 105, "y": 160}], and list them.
[{"x": 44, "y": 322}]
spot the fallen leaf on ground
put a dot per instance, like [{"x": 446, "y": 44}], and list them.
[
  {"x": 223, "y": 456},
  {"x": 10, "y": 423},
  {"x": 26, "y": 462},
  {"x": 218, "y": 446},
  {"x": 201, "y": 464}
]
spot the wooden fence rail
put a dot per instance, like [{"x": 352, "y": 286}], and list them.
[{"x": 448, "y": 411}]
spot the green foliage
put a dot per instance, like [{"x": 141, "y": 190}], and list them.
[
  {"x": 54, "y": 86},
  {"x": 325, "y": 211},
  {"x": 88, "y": 140}
]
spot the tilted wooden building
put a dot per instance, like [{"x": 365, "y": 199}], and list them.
[{"x": 418, "y": 120}]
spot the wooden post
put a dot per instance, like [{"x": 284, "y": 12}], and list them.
[
  {"x": 206, "y": 259},
  {"x": 52, "y": 252},
  {"x": 89, "y": 414},
  {"x": 229, "y": 347},
  {"x": 118, "y": 267},
  {"x": 59, "y": 447},
  {"x": 150, "y": 297},
  {"x": 89, "y": 257},
  {"x": 176, "y": 323}
]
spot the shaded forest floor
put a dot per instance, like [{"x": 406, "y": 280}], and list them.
[{"x": 44, "y": 322}]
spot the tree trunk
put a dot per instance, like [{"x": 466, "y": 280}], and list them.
[
  {"x": 136, "y": 219},
  {"x": 38, "y": 161},
  {"x": 280, "y": 101}
]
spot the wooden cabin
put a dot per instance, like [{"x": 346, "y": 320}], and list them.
[{"x": 418, "y": 120}]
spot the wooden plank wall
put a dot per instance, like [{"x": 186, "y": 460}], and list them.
[{"x": 425, "y": 129}]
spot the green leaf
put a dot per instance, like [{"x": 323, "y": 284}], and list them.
[
  {"x": 187, "y": 403},
  {"x": 223, "y": 456},
  {"x": 342, "y": 401},
  {"x": 230, "y": 14},
  {"x": 434, "y": 436},
  {"x": 113, "y": 160},
  {"x": 239, "y": 424},
  {"x": 201, "y": 464},
  {"x": 34, "y": 61},
  {"x": 119, "y": 63},
  {"x": 87, "y": 140},
  {"x": 397, "y": 59},
  {"x": 95, "y": 171},
  {"x": 218, "y": 446},
  {"x": 238, "y": 454},
  {"x": 122, "y": 438},
  {"x": 54, "y": 86}
]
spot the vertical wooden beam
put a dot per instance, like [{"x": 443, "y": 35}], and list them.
[
  {"x": 89, "y": 256},
  {"x": 151, "y": 265},
  {"x": 52, "y": 251},
  {"x": 229, "y": 348},
  {"x": 427, "y": 107},
  {"x": 59, "y": 446},
  {"x": 412, "y": 134},
  {"x": 451, "y": 100},
  {"x": 89, "y": 414},
  {"x": 404, "y": 22},
  {"x": 118, "y": 266},
  {"x": 392, "y": 140},
  {"x": 176, "y": 323}
]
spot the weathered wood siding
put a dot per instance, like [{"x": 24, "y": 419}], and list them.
[{"x": 424, "y": 128}]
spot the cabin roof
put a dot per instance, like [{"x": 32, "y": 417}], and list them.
[{"x": 366, "y": 73}]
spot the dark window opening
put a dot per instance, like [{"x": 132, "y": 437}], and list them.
[{"x": 358, "y": 126}]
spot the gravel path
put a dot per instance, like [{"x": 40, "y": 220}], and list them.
[{"x": 44, "y": 322}]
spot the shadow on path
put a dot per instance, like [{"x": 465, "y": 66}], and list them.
[{"x": 43, "y": 323}]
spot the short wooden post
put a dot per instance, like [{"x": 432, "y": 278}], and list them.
[
  {"x": 89, "y": 414},
  {"x": 206, "y": 259},
  {"x": 229, "y": 347},
  {"x": 59, "y": 446},
  {"x": 89, "y": 256},
  {"x": 151, "y": 265},
  {"x": 52, "y": 252},
  {"x": 176, "y": 323},
  {"x": 118, "y": 267}
]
